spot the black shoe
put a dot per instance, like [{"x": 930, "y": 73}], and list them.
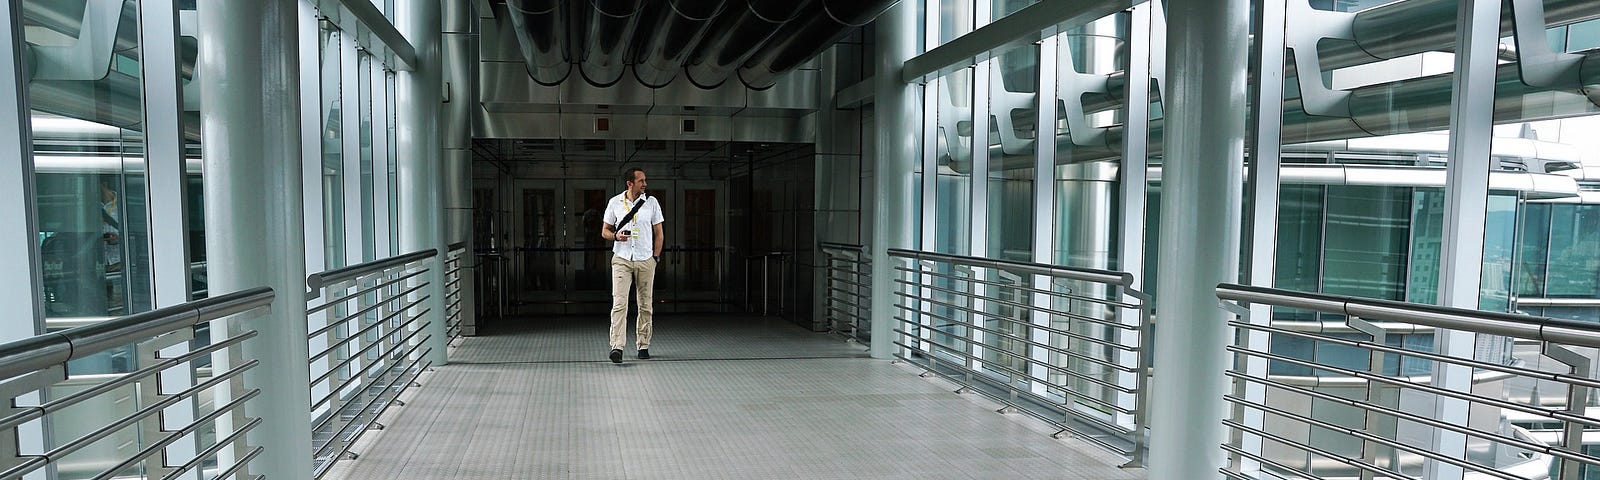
[
  {"x": 644, "y": 354},
  {"x": 616, "y": 355}
]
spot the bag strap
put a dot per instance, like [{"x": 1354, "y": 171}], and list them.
[{"x": 631, "y": 213}]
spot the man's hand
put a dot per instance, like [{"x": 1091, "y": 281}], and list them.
[{"x": 623, "y": 236}]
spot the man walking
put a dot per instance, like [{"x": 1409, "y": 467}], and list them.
[{"x": 633, "y": 221}]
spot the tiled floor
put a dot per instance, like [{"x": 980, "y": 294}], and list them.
[{"x": 727, "y": 397}]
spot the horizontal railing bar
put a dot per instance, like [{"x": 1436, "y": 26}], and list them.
[
  {"x": 255, "y": 452},
  {"x": 1052, "y": 348},
  {"x": 340, "y": 300},
  {"x": 1045, "y": 328},
  {"x": 316, "y": 281},
  {"x": 341, "y": 343},
  {"x": 335, "y": 392},
  {"x": 847, "y": 303},
  {"x": 225, "y": 442},
  {"x": 842, "y": 246},
  {"x": 1555, "y": 414},
  {"x": 344, "y": 445},
  {"x": 28, "y": 355},
  {"x": 382, "y": 303},
  {"x": 1367, "y": 437},
  {"x": 996, "y": 316},
  {"x": 173, "y": 436},
  {"x": 1507, "y": 324},
  {"x": 1027, "y": 306},
  {"x": 1064, "y": 407},
  {"x": 128, "y": 378},
  {"x": 1379, "y": 409},
  {"x": 1530, "y": 373},
  {"x": 1084, "y": 274},
  {"x": 1020, "y": 287},
  {"x": 1263, "y": 460},
  {"x": 462, "y": 245},
  {"x": 850, "y": 315},
  {"x": 126, "y": 421},
  {"x": 360, "y": 354},
  {"x": 368, "y": 309},
  {"x": 968, "y": 356},
  {"x": 369, "y": 404}
]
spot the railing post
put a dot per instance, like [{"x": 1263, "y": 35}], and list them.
[{"x": 254, "y": 223}]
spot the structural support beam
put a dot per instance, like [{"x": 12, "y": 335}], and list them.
[
  {"x": 460, "y": 40},
  {"x": 417, "y": 97},
  {"x": 370, "y": 16},
  {"x": 898, "y": 115},
  {"x": 19, "y": 227},
  {"x": 250, "y": 77},
  {"x": 1466, "y": 205},
  {"x": 1266, "y": 145},
  {"x": 1022, "y": 27},
  {"x": 1201, "y": 200}
]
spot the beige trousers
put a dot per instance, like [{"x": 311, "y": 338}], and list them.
[{"x": 625, "y": 273}]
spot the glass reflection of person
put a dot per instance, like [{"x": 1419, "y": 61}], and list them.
[
  {"x": 110, "y": 228},
  {"x": 637, "y": 248}
]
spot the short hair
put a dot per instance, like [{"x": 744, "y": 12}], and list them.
[{"x": 629, "y": 176}]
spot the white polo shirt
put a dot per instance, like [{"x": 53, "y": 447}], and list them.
[{"x": 641, "y": 245}]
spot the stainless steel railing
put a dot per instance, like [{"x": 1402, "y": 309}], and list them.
[
  {"x": 847, "y": 290},
  {"x": 452, "y": 290},
  {"x": 66, "y": 418},
  {"x": 366, "y": 341},
  {"x": 1356, "y": 399},
  {"x": 1065, "y": 345},
  {"x": 783, "y": 260}
]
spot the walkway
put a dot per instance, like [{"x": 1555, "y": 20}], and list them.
[{"x": 727, "y": 397}]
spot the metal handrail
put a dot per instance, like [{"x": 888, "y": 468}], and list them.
[
  {"x": 316, "y": 281},
  {"x": 31, "y": 354},
  {"x": 854, "y": 293},
  {"x": 371, "y": 329},
  {"x": 1379, "y": 319},
  {"x": 39, "y": 363},
  {"x": 1109, "y": 277},
  {"x": 1107, "y": 406}
]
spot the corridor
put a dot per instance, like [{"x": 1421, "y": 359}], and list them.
[{"x": 725, "y": 396}]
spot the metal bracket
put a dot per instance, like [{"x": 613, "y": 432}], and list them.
[
  {"x": 376, "y": 426},
  {"x": 1234, "y": 308},
  {"x": 96, "y": 42},
  {"x": 1379, "y": 334},
  {"x": 1310, "y": 27},
  {"x": 1001, "y": 103},
  {"x": 1006, "y": 410},
  {"x": 1070, "y": 88},
  {"x": 1539, "y": 65}
]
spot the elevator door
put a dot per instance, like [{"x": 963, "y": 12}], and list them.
[{"x": 561, "y": 261}]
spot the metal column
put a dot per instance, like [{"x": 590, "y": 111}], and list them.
[
  {"x": 898, "y": 116},
  {"x": 1202, "y": 195},
  {"x": 417, "y": 102},
  {"x": 1467, "y": 196},
  {"x": 19, "y": 227},
  {"x": 461, "y": 101},
  {"x": 249, "y": 74},
  {"x": 1266, "y": 144}
]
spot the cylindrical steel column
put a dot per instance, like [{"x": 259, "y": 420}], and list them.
[
  {"x": 1201, "y": 199},
  {"x": 898, "y": 114},
  {"x": 417, "y": 133},
  {"x": 250, "y": 80},
  {"x": 461, "y": 75}
]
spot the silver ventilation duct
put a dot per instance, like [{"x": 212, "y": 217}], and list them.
[
  {"x": 735, "y": 36},
  {"x": 679, "y": 27},
  {"x": 541, "y": 32},
  {"x": 801, "y": 40},
  {"x": 608, "y": 36}
]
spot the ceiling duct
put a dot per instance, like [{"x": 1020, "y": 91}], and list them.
[
  {"x": 609, "y": 34},
  {"x": 679, "y": 27},
  {"x": 736, "y": 36},
  {"x": 801, "y": 40},
  {"x": 540, "y": 27}
]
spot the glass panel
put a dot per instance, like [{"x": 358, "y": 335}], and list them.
[
  {"x": 952, "y": 127},
  {"x": 369, "y": 240},
  {"x": 593, "y": 271},
  {"x": 1533, "y": 249},
  {"x": 699, "y": 262},
  {"x": 1012, "y": 139},
  {"x": 954, "y": 18},
  {"x": 541, "y": 266},
  {"x": 1498, "y": 248},
  {"x": 1574, "y": 251},
  {"x": 332, "y": 153}
]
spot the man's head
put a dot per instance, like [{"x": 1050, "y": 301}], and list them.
[{"x": 634, "y": 180}]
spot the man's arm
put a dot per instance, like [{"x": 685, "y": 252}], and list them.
[
  {"x": 606, "y": 233},
  {"x": 661, "y": 238}
]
